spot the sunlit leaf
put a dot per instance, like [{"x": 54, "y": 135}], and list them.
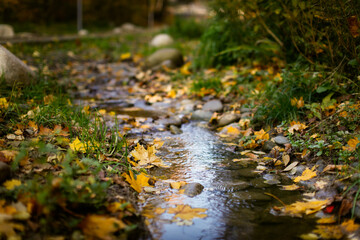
[
  {"x": 146, "y": 157},
  {"x": 290, "y": 187},
  {"x": 350, "y": 226},
  {"x": 8, "y": 155},
  {"x": 125, "y": 56},
  {"x": 11, "y": 184},
  {"x": 185, "y": 212},
  {"x": 352, "y": 143},
  {"x": 300, "y": 208},
  {"x": 326, "y": 220},
  {"x": 177, "y": 185},
  {"x": 141, "y": 180},
  {"x": 261, "y": 135},
  {"x": 296, "y": 126},
  {"x": 77, "y": 146},
  {"x": 306, "y": 175},
  {"x": 3, "y": 103},
  {"x": 101, "y": 227}
]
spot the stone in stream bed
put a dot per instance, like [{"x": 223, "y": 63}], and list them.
[
  {"x": 228, "y": 118},
  {"x": 170, "y": 57},
  {"x": 268, "y": 145},
  {"x": 192, "y": 189},
  {"x": 175, "y": 130},
  {"x": 201, "y": 115},
  {"x": 231, "y": 186},
  {"x": 213, "y": 106},
  {"x": 252, "y": 196}
]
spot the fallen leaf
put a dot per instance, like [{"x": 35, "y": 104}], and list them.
[
  {"x": 48, "y": 99},
  {"x": 101, "y": 227},
  {"x": 299, "y": 208},
  {"x": 296, "y": 126},
  {"x": 125, "y": 56},
  {"x": 286, "y": 159},
  {"x": 11, "y": 184},
  {"x": 350, "y": 226},
  {"x": 261, "y": 135},
  {"x": 8, "y": 155},
  {"x": 185, "y": 212},
  {"x": 177, "y": 185},
  {"x": 77, "y": 146},
  {"x": 291, "y": 166},
  {"x": 306, "y": 175},
  {"x": 138, "y": 181},
  {"x": 327, "y": 220},
  {"x": 3, "y": 103},
  {"x": 352, "y": 143},
  {"x": 328, "y": 232},
  {"x": 290, "y": 187},
  {"x": 146, "y": 157}
]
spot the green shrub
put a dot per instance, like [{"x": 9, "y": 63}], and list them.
[{"x": 186, "y": 28}]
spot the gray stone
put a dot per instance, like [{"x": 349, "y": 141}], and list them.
[
  {"x": 252, "y": 196},
  {"x": 13, "y": 69},
  {"x": 232, "y": 186},
  {"x": 259, "y": 183},
  {"x": 300, "y": 169},
  {"x": 192, "y": 189},
  {"x": 268, "y": 145},
  {"x": 281, "y": 140},
  {"x": 117, "y": 30},
  {"x": 162, "y": 40},
  {"x": 320, "y": 165},
  {"x": 201, "y": 115},
  {"x": 6, "y": 31},
  {"x": 271, "y": 179},
  {"x": 228, "y": 118},
  {"x": 5, "y": 172},
  {"x": 170, "y": 57},
  {"x": 128, "y": 27},
  {"x": 175, "y": 130},
  {"x": 213, "y": 106},
  {"x": 176, "y": 121}
]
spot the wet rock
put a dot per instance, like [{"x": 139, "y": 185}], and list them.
[
  {"x": 320, "y": 165},
  {"x": 228, "y": 118},
  {"x": 176, "y": 121},
  {"x": 13, "y": 69},
  {"x": 259, "y": 183},
  {"x": 192, "y": 189},
  {"x": 247, "y": 173},
  {"x": 300, "y": 169},
  {"x": 6, "y": 31},
  {"x": 281, "y": 140},
  {"x": 5, "y": 172},
  {"x": 175, "y": 130},
  {"x": 162, "y": 40},
  {"x": 246, "y": 115},
  {"x": 328, "y": 193},
  {"x": 187, "y": 106},
  {"x": 271, "y": 179},
  {"x": 213, "y": 106},
  {"x": 201, "y": 115},
  {"x": 268, "y": 145},
  {"x": 170, "y": 57},
  {"x": 232, "y": 186},
  {"x": 252, "y": 196}
]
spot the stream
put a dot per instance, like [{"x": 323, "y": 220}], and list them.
[{"x": 233, "y": 195}]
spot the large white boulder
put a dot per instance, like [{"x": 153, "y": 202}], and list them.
[
  {"x": 12, "y": 69},
  {"x": 6, "y": 31},
  {"x": 162, "y": 40}
]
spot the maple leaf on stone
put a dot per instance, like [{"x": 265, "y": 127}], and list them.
[
  {"x": 306, "y": 175},
  {"x": 146, "y": 157},
  {"x": 185, "y": 212},
  {"x": 137, "y": 182}
]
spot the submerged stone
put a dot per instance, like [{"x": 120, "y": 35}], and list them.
[{"x": 192, "y": 189}]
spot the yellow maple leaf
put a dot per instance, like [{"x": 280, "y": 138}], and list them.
[
  {"x": 261, "y": 135},
  {"x": 172, "y": 94},
  {"x": 146, "y": 157},
  {"x": 185, "y": 69},
  {"x": 3, "y": 103},
  {"x": 328, "y": 232},
  {"x": 350, "y": 226},
  {"x": 326, "y": 220},
  {"x": 185, "y": 212},
  {"x": 230, "y": 130},
  {"x": 8, "y": 155},
  {"x": 102, "y": 111},
  {"x": 101, "y": 227},
  {"x": 306, "y": 175},
  {"x": 299, "y": 208},
  {"x": 48, "y": 99},
  {"x": 299, "y": 103},
  {"x": 11, "y": 184},
  {"x": 77, "y": 146},
  {"x": 177, "y": 185},
  {"x": 296, "y": 126},
  {"x": 352, "y": 144},
  {"x": 141, "y": 180}
]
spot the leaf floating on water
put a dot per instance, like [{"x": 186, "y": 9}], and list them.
[
  {"x": 185, "y": 212},
  {"x": 306, "y": 175},
  {"x": 327, "y": 220},
  {"x": 141, "y": 180}
]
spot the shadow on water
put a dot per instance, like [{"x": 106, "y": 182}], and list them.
[{"x": 237, "y": 207}]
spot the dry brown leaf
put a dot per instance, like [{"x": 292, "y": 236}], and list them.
[{"x": 8, "y": 155}]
